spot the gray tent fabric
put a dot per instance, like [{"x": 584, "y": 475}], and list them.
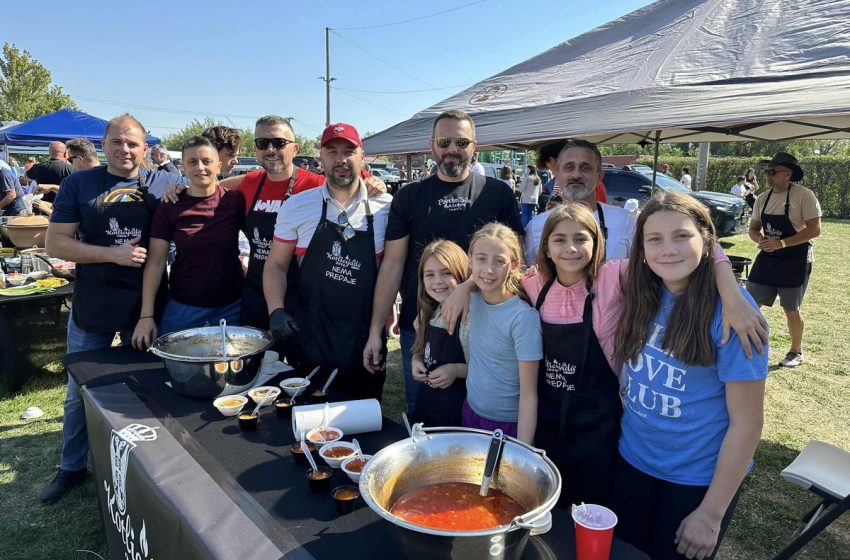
[{"x": 695, "y": 70}]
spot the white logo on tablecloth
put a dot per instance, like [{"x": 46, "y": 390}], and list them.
[
  {"x": 343, "y": 267},
  {"x": 557, "y": 372},
  {"x": 120, "y": 445}
]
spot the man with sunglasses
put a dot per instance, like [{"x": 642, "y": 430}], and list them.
[
  {"x": 786, "y": 218},
  {"x": 450, "y": 204},
  {"x": 48, "y": 175},
  {"x": 82, "y": 154},
  {"x": 336, "y": 233}
]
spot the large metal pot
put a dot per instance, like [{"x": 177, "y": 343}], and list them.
[
  {"x": 197, "y": 368},
  {"x": 457, "y": 455}
]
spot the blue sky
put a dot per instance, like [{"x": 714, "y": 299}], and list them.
[{"x": 168, "y": 62}]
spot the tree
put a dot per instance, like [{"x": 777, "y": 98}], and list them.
[
  {"x": 176, "y": 140},
  {"x": 25, "y": 87}
]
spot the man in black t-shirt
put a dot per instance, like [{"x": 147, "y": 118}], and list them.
[
  {"x": 49, "y": 174},
  {"x": 451, "y": 204}
]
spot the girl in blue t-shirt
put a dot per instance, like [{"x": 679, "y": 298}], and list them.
[
  {"x": 504, "y": 339},
  {"x": 693, "y": 407},
  {"x": 439, "y": 358}
]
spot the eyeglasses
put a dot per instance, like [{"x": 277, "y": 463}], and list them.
[
  {"x": 278, "y": 143},
  {"x": 347, "y": 232},
  {"x": 772, "y": 172},
  {"x": 444, "y": 142},
  {"x": 72, "y": 158}
]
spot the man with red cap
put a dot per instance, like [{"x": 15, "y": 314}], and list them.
[{"x": 336, "y": 235}]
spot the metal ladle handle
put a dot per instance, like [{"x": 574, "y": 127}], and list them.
[
  {"x": 494, "y": 454},
  {"x": 223, "y": 324}
]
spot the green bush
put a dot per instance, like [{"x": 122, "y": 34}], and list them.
[{"x": 827, "y": 176}]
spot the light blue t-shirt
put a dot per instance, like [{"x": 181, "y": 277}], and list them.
[
  {"x": 675, "y": 415},
  {"x": 499, "y": 336}
]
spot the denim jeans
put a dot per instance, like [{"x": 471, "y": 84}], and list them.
[
  {"x": 75, "y": 441},
  {"x": 527, "y": 211},
  {"x": 179, "y": 316},
  {"x": 411, "y": 387}
]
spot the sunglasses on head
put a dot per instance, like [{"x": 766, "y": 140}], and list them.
[
  {"x": 278, "y": 143},
  {"x": 444, "y": 142},
  {"x": 772, "y": 172}
]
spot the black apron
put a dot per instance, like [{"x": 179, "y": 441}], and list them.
[
  {"x": 107, "y": 296},
  {"x": 783, "y": 268},
  {"x": 434, "y": 406},
  {"x": 578, "y": 409},
  {"x": 259, "y": 229},
  {"x": 335, "y": 307}
]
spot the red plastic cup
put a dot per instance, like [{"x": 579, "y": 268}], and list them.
[{"x": 594, "y": 531}]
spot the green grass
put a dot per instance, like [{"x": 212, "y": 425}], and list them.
[{"x": 809, "y": 402}]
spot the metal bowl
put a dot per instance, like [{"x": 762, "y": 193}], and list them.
[
  {"x": 197, "y": 367},
  {"x": 457, "y": 455}
]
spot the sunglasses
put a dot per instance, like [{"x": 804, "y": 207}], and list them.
[
  {"x": 348, "y": 231},
  {"x": 444, "y": 142},
  {"x": 278, "y": 143},
  {"x": 772, "y": 172},
  {"x": 72, "y": 158}
]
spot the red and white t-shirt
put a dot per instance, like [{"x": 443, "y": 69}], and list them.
[
  {"x": 300, "y": 215},
  {"x": 271, "y": 198}
]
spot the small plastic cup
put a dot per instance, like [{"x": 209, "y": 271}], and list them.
[
  {"x": 320, "y": 479},
  {"x": 318, "y": 396},
  {"x": 594, "y": 526},
  {"x": 298, "y": 454},
  {"x": 283, "y": 408},
  {"x": 248, "y": 420},
  {"x": 345, "y": 498}
]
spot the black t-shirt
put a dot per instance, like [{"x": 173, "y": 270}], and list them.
[
  {"x": 434, "y": 209},
  {"x": 50, "y": 173}
]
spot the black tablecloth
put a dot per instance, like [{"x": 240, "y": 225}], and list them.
[{"x": 261, "y": 465}]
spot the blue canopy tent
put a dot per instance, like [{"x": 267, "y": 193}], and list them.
[{"x": 61, "y": 125}]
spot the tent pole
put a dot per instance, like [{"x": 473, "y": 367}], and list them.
[{"x": 655, "y": 157}]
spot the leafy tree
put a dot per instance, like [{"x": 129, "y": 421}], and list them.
[
  {"x": 175, "y": 141},
  {"x": 25, "y": 87}
]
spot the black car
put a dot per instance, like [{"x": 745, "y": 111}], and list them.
[{"x": 730, "y": 214}]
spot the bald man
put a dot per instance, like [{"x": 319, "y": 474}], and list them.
[{"x": 49, "y": 174}]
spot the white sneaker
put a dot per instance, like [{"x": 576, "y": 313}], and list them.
[{"x": 792, "y": 359}]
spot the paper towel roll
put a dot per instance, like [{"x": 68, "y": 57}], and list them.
[{"x": 352, "y": 417}]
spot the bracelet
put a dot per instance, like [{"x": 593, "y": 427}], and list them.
[
  {"x": 782, "y": 243},
  {"x": 146, "y": 317}
]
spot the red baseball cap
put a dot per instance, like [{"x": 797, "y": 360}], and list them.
[{"x": 343, "y": 131}]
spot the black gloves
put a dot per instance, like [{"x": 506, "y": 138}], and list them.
[{"x": 282, "y": 325}]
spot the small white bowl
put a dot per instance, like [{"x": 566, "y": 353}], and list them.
[
  {"x": 16, "y": 279},
  {"x": 32, "y": 412},
  {"x": 353, "y": 475},
  {"x": 335, "y": 462},
  {"x": 259, "y": 393},
  {"x": 230, "y": 406},
  {"x": 296, "y": 389},
  {"x": 38, "y": 274},
  {"x": 313, "y": 435}
]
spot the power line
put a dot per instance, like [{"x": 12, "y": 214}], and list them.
[
  {"x": 379, "y": 59},
  {"x": 381, "y": 107},
  {"x": 406, "y": 90},
  {"x": 412, "y": 19}
]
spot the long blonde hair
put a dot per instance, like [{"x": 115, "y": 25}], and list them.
[
  {"x": 580, "y": 214},
  {"x": 687, "y": 334},
  {"x": 452, "y": 257},
  {"x": 504, "y": 234}
]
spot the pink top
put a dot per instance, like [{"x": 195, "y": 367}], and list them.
[{"x": 565, "y": 305}]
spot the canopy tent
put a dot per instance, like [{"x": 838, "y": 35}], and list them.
[
  {"x": 673, "y": 71},
  {"x": 61, "y": 125}
]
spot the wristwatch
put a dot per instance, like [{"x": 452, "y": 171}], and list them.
[{"x": 782, "y": 243}]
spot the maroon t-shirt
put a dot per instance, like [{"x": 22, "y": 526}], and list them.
[{"x": 206, "y": 271}]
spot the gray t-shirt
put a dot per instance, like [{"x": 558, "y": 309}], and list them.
[{"x": 499, "y": 336}]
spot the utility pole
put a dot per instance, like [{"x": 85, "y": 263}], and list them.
[{"x": 327, "y": 79}]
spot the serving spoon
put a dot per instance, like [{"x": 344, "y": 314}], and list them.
[
  {"x": 329, "y": 381},
  {"x": 357, "y": 449}
]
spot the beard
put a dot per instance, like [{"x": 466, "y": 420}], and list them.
[
  {"x": 275, "y": 166},
  {"x": 576, "y": 192},
  {"x": 453, "y": 168},
  {"x": 342, "y": 182}
]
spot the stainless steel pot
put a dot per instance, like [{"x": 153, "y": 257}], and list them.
[
  {"x": 197, "y": 368},
  {"x": 437, "y": 455}
]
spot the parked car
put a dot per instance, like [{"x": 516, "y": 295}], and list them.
[
  {"x": 312, "y": 162},
  {"x": 244, "y": 165},
  {"x": 393, "y": 181},
  {"x": 730, "y": 214}
]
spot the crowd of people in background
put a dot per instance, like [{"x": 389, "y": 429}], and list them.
[{"x": 619, "y": 341}]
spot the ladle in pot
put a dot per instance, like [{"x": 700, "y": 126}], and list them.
[
  {"x": 223, "y": 324},
  {"x": 494, "y": 455}
]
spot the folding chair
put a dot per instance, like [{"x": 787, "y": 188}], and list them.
[{"x": 825, "y": 470}]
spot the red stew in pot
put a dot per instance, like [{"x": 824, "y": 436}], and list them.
[{"x": 456, "y": 506}]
